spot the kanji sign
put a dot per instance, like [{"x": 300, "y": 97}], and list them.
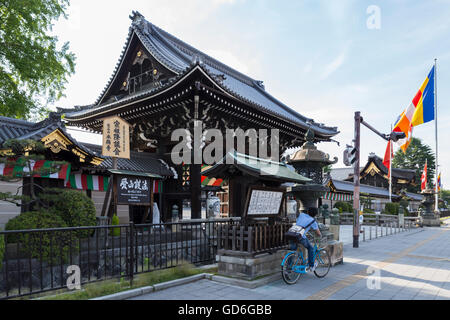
[
  {"x": 116, "y": 138},
  {"x": 264, "y": 201},
  {"x": 133, "y": 190}
]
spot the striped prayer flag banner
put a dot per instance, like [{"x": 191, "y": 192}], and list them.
[
  {"x": 19, "y": 168},
  {"x": 334, "y": 196},
  {"x": 157, "y": 186},
  {"x": 88, "y": 182}
]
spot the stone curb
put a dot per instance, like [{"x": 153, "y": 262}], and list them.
[
  {"x": 173, "y": 283},
  {"x": 157, "y": 287},
  {"x": 246, "y": 283}
]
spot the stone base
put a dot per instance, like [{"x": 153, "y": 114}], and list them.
[
  {"x": 431, "y": 221},
  {"x": 249, "y": 268},
  {"x": 336, "y": 251},
  {"x": 335, "y": 229}
]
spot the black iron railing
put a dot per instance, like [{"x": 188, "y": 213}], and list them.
[{"x": 41, "y": 260}]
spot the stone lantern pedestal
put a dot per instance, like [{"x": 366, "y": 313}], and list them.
[{"x": 430, "y": 217}]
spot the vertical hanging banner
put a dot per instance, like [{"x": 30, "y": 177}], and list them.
[{"x": 116, "y": 138}]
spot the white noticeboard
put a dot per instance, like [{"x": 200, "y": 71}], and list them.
[{"x": 264, "y": 202}]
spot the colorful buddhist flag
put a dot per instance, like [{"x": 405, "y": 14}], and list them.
[
  {"x": 420, "y": 110},
  {"x": 424, "y": 101},
  {"x": 439, "y": 182},
  {"x": 388, "y": 156},
  {"x": 423, "y": 179}
]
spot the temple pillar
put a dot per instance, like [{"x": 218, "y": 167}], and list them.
[{"x": 196, "y": 190}]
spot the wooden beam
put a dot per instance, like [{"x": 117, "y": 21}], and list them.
[{"x": 106, "y": 200}]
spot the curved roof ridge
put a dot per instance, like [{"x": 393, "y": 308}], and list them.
[
  {"x": 17, "y": 122},
  {"x": 183, "y": 46}
]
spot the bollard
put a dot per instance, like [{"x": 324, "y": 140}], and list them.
[
  {"x": 376, "y": 231},
  {"x": 370, "y": 233},
  {"x": 364, "y": 234}
]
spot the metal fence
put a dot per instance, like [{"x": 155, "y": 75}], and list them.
[
  {"x": 41, "y": 260},
  {"x": 374, "y": 231},
  {"x": 369, "y": 219}
]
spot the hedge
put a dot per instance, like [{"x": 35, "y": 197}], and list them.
[
  {"x": 391, "y": 208},
  {"x": 51, "y": 246},
  {"x": 74, "y": 207},
  {"x": 343, "y": 206},
  {"x": 115, "y": 221}
]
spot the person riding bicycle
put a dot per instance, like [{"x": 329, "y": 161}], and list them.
[{"x": 307, "y": 221}]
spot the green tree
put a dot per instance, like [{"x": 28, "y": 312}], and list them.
[
  {"x": 414, "y": 158},
  {"x": 33, "y": 69},
  {"x": 445, "y": 196}
]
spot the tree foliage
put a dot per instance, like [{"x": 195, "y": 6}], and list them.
[
  {"x": 33, "y": 69},
  {"x": 445, "y": 196},
  {"x": 414, "y": 158}
]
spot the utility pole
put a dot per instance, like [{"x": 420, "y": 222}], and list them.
[
  {"x": 393, "y": 136},
  {"x": 356, "y": 180}
]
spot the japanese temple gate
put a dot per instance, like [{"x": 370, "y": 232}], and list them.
[{"x": 161, "y": 84}]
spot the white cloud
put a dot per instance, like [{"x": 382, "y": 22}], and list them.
[{"x": 334, "y": 65}]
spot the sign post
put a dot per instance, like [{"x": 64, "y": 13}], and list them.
[
  {"x": 356, "y": 181},
  {"x": 116, "y": 144}
]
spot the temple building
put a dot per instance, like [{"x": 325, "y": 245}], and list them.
[
  {"x": 160, "y": 84},
  {"x": 374, "y": 184},
  {"x": 85, "y": 169}
]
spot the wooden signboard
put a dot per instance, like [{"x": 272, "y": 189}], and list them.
[
  {"x": 133, "y": 190},
  {"x": 116, "y": 138},
  {"x": 264, "y": 202}
]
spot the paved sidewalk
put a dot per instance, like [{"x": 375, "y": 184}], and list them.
[{"x": 411, "y": 265}]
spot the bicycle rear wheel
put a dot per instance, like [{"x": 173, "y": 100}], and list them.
[
  {"x": 323, "y": 262},
  {"x": 287, "y": 269}
]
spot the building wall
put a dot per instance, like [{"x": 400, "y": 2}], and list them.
[
  {"x": 9, "y": 210},
  {"x": 98, "y": 197}
]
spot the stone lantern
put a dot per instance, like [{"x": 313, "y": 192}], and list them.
[
  {"x": 309, "y": 162},
  {"x": 430, "y": 218}
]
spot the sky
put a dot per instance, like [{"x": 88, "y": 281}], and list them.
[{"x": 325, "y": 59}]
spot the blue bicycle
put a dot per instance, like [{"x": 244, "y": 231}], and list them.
[{"x": 294, "y": 265}]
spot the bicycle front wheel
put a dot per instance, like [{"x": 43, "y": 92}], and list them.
[
  {"x": 323, "y": 263},
  {"x": 287, "y": 269}
]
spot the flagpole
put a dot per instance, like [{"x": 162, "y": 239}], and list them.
[
  {"x": 390, "y": 169},
  {"x": 436, "y": 199}
]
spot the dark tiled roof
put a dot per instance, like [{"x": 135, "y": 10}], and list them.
[
  {"x": 407, "y": 174},
  {"x": 414, "y": 196},
  {"x": 138, "y": 162},
  {"x": 179, "y": 57},
  {"x": 11, "y": 128},
  {"x": 345, "y": 186},
  {"x": 342, "y": 173},
  {"x": 264, "y": 169}
]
